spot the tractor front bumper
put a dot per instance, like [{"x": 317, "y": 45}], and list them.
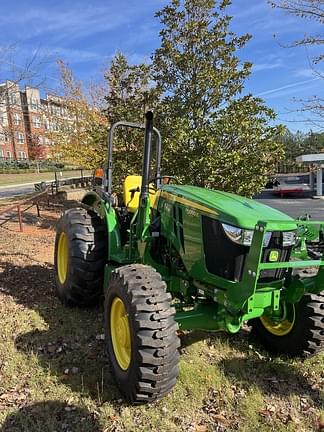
[{"x": 248, "y": 298}]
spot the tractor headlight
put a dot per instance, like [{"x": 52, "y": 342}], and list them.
[
  {"x": 288, "y": 238},
  {"x": 243, "y": 236}
]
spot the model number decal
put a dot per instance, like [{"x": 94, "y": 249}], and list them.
[{"x": 191, "y": 212}]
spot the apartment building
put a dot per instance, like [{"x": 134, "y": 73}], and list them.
[
  {"x": 26, "y": 121},
  {"x": 13, "y": 140}
]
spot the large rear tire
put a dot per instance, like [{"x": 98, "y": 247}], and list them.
[
  {"x": 300, "y": 333},
  {"x": 79, "y": 258},
  {"x": 141, "y": 339}
]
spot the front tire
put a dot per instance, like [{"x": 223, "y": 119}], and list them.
[
  {"x": 301, "y": 333},
  {"x": 140, "y": 333},
  {"x": 79, "y": 258}
]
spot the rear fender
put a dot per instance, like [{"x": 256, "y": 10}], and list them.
[{"x": 104, "y": 210}]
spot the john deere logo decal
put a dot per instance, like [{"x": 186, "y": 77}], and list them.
[{"x": 274, "y": 256}]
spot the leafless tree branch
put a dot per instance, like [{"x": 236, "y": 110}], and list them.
[{"x": 312, "y": 10}]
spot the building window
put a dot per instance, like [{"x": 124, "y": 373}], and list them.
[
  {"x": 1, "y": 154},
  {"x": 36, "y": 123},
  {"x": 63, "y": 112},
  {"x": 20, "y": 138},
  {"x": 3, "y": 137},
  {"x": 17, "y": 118},
  {"x": 8, "y": 154},
  {"x": 55, "y": 127},
  {"x": 22, "y": 155},
  {"x": 47, "y": 124},
  {"x": 56, "y": 110},
  {"x": 34, "y": 104},
  {"x": 13, "y": 99}
]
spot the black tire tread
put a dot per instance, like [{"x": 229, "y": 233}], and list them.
[
  {"x": 315, "y": 307},
  {"x": 156, "y": 339},
  {"x": 88, "y": 254},
  {"x": 306, "y": 342}
]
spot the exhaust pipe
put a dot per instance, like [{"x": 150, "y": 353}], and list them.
[{"x": 147, "y": 154}]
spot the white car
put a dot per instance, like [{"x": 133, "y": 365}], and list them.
[{"x": 286, "y": 184}]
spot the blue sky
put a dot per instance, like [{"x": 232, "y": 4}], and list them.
[{"x": 88, "y": 33}]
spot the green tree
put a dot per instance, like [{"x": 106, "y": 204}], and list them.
[
  {"x": 130, "y": 94},
  {"x": 293, "y": 144},
  {"x": 299, "y": 143},
  {"x": 213, "y": 136},
  {"x": 314, "y": 142}
]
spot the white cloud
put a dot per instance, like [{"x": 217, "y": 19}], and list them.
[
  {"x": 73, "y": 55},
  {"x": 70, "y": 23},
  {"x": 305, "y": 73},
  {"x": 257, "y": 67},
  {"x": 285, "y": 89},
  {"x": 247, "y": 12}
]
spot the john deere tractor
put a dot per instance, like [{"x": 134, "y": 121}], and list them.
[{"x": 174, "y": 256}]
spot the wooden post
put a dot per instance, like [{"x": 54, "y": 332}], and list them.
[
  {"x": 56, "y": 182},
  {"x": 20, "y": 218}
]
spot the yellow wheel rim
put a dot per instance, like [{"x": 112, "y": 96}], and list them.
[
  {"x": 280, "y": 327},
  {"x": 62, "y": 257},
  {"x": 120, "y": 333}
]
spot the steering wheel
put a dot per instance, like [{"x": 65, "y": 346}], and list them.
[{"x": 151, "y": 190}]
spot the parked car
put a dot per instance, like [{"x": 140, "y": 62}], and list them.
[{"x": 285, "y": 184}]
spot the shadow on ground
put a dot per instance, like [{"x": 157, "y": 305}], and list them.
[
  {"x": 50, "y": 416},
  {"x": 10, "y": 221},
  {"x": 71, "y": 347},
  {"x": 273, "y": 376},
  {"x": 49, "y": 222},
  {"x": 239, "y": 340}
]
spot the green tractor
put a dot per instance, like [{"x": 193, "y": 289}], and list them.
[{"x": 183, "y": 257}]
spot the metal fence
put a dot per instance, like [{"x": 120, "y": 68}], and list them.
[{"x": 19, "y": 207}]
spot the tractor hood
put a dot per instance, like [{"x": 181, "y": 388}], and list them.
[{"x": 228, "y": 208}]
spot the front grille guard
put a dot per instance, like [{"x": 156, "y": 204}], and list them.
[{"x": 243, "y": 292}]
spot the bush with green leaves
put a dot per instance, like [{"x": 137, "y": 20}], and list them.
[{"x": 24, "y": 165}]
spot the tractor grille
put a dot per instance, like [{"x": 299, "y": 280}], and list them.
[{"x": 226, "y": 259}]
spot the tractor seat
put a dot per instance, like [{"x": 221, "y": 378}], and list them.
[
  {"x": 132, "y": 182},
  {"x": 131, "y": 200}
]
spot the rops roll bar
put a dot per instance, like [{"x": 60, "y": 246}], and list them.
[{"x": 108, "y": 183}]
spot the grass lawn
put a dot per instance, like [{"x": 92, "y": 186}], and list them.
[
  {"x": 54, "y": 376},
  {"x": 12, "y": 179}
]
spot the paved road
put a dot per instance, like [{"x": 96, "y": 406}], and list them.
[
  {"x": 27, "y": 188},
  {"x": 295, "y": 206},
  {"x": 16, "y": 190}
]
